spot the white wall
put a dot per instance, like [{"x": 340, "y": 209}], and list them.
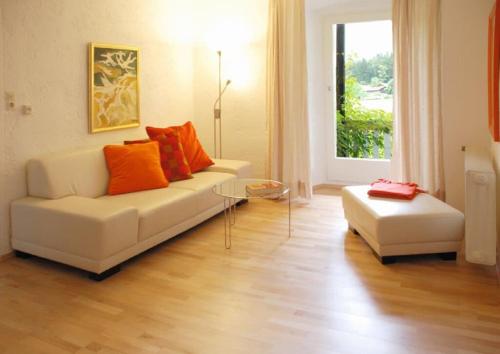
[
  {"x": 45, "y": 65},
  {"x": 464, "y": 87},
  {"x": 317, "y": 91},
  {"x": 4, "y": 244},
  {"x": 495, "y": 149},
  {"x": 244, "y": 134},
  {"x": 241, "y": 33}
]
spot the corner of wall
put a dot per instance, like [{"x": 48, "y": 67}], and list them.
[
  {"x": 316, "y": 103},
  {"x": 4, "y": 239},
  {"x": 495, "y": 152}
]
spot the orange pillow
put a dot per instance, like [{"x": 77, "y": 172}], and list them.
[
  {"x": 142, "y": 141},
  {"x": 134, "y": 168},
  {"x": 172, "y": 158},
  {"x": 197, "y": 157}
]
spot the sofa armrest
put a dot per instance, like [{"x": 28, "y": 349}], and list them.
[
  {"x": 242, "y": 169},
  {"x": 85, "y": 227}
]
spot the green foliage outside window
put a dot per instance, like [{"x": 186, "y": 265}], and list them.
[
  {"x": 379, "y": 67},
  {"x": 360, "y": 129}
]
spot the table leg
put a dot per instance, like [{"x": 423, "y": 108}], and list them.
[
  {"x": 233, "y": 202},
  {"x": 227, "y": 223},
  {"x": 229, "y": 219},
  {"x": 289, "y": 215}
]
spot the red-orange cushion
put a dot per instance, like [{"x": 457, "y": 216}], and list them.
[
  {"x": 384, "y": 188},
  {"x": 172, "y": 158},
  {"x": 197, "y": 157},
  {"x": 134, "y": 167},
  {"x": 141, "y": 141}
]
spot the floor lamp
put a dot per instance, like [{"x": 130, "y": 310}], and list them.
[{"x": 218, "y": 113}]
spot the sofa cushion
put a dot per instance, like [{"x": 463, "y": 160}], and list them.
[
  {"x": 202, "y": 185},
  {"x": 173, "y": 161},
  {"x": 79, "y": 172},
  {"x": 242, "y": 169},
  {"x": 134, "y": 168},
  {"x": 197, "y": 158},
  {"x": 159, "y": 209}
]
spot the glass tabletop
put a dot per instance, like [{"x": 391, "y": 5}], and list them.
[{"x": 246, "y": 188}]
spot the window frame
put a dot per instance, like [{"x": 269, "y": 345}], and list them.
[{"x": 340, "y": 170}]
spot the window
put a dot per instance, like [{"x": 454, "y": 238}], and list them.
[{"x": 364, "y": 86}]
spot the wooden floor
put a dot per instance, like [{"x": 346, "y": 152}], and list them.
[{"x": 322, "y": 291}]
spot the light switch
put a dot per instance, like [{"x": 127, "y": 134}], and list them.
[{"x": 10, "y": 100}]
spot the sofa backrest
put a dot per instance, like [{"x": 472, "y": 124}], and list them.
[{"x": 81, "y": 172}]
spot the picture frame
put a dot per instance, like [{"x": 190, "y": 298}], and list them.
[
  {"x": 494, "y": 72},
  {"x": 114, "y": 95}
]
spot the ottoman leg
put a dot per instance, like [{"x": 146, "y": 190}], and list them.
[
  {"x": 353, "y": 230},
  {"x": 385, "y": 260},
  {"x": 22, "y": 255},
  {"x": 106, "y": 274},
  {"x": 449, "y": 256}
]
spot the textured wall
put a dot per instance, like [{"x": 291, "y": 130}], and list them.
[
  {"x": 495, "y": 150},
  {"x": 4, "y": 244},
  {"x": 240, "y": 32},
  {"x": 244, "y": 134},
  {"x": 45, "y": 65}
]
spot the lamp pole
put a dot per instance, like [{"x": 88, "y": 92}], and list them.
[{"x": 218, "y": 112}]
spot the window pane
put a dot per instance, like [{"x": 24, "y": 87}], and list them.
[{"x": 364, "y": 123}]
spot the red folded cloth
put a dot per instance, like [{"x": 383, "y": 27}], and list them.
[{"x": 384, "y": 188}]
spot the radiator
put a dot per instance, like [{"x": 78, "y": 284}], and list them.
[{"x": 480, "y": 208}]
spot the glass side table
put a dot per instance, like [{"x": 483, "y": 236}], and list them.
[{"x": 248, "y": 188}]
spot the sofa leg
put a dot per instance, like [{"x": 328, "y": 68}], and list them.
[
  {"x": 23, "y": 255},
  {"x": 105, "y": 274},
  {"x": 448, "y": 256},
  {"x": 385, "y": 260},
  {"x": 241, "y": 202}
]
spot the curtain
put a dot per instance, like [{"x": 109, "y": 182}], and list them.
[
  {"x": 417, "y": 139},
  {"x": 288, "y": 155}
]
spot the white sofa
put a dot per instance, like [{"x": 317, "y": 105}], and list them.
[{"x": 68, "y": 217}]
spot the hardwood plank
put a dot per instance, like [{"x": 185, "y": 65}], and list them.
[
  {"x": 6, "y": 256},
  {"x": 322, "y": 291}
]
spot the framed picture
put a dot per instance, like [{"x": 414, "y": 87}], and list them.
[
  {"x": 113, "y": 87},
  {"x": 494, "y": 72}
]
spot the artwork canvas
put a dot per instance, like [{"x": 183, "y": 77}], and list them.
[
  {"x": 113, "y": 87},
  {"x": 494, "y": 72}
]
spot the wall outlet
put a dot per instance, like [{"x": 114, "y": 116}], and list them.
[{"x": 27, "y": 110}]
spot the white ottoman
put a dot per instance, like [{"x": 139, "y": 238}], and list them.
[{"x": 394, "y": 227}]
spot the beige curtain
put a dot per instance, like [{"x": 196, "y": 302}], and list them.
[
  {"x": 288, "y": 158},
  {"x": 417, "y": 145}
]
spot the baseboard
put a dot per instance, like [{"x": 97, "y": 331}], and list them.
[
  {"x": 498, "y": 265},
  {"x": 6, "y": 256},
  {"x": 327, "y": 186}
]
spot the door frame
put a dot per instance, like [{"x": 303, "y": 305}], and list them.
[{"x": 343, "y": 171}]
